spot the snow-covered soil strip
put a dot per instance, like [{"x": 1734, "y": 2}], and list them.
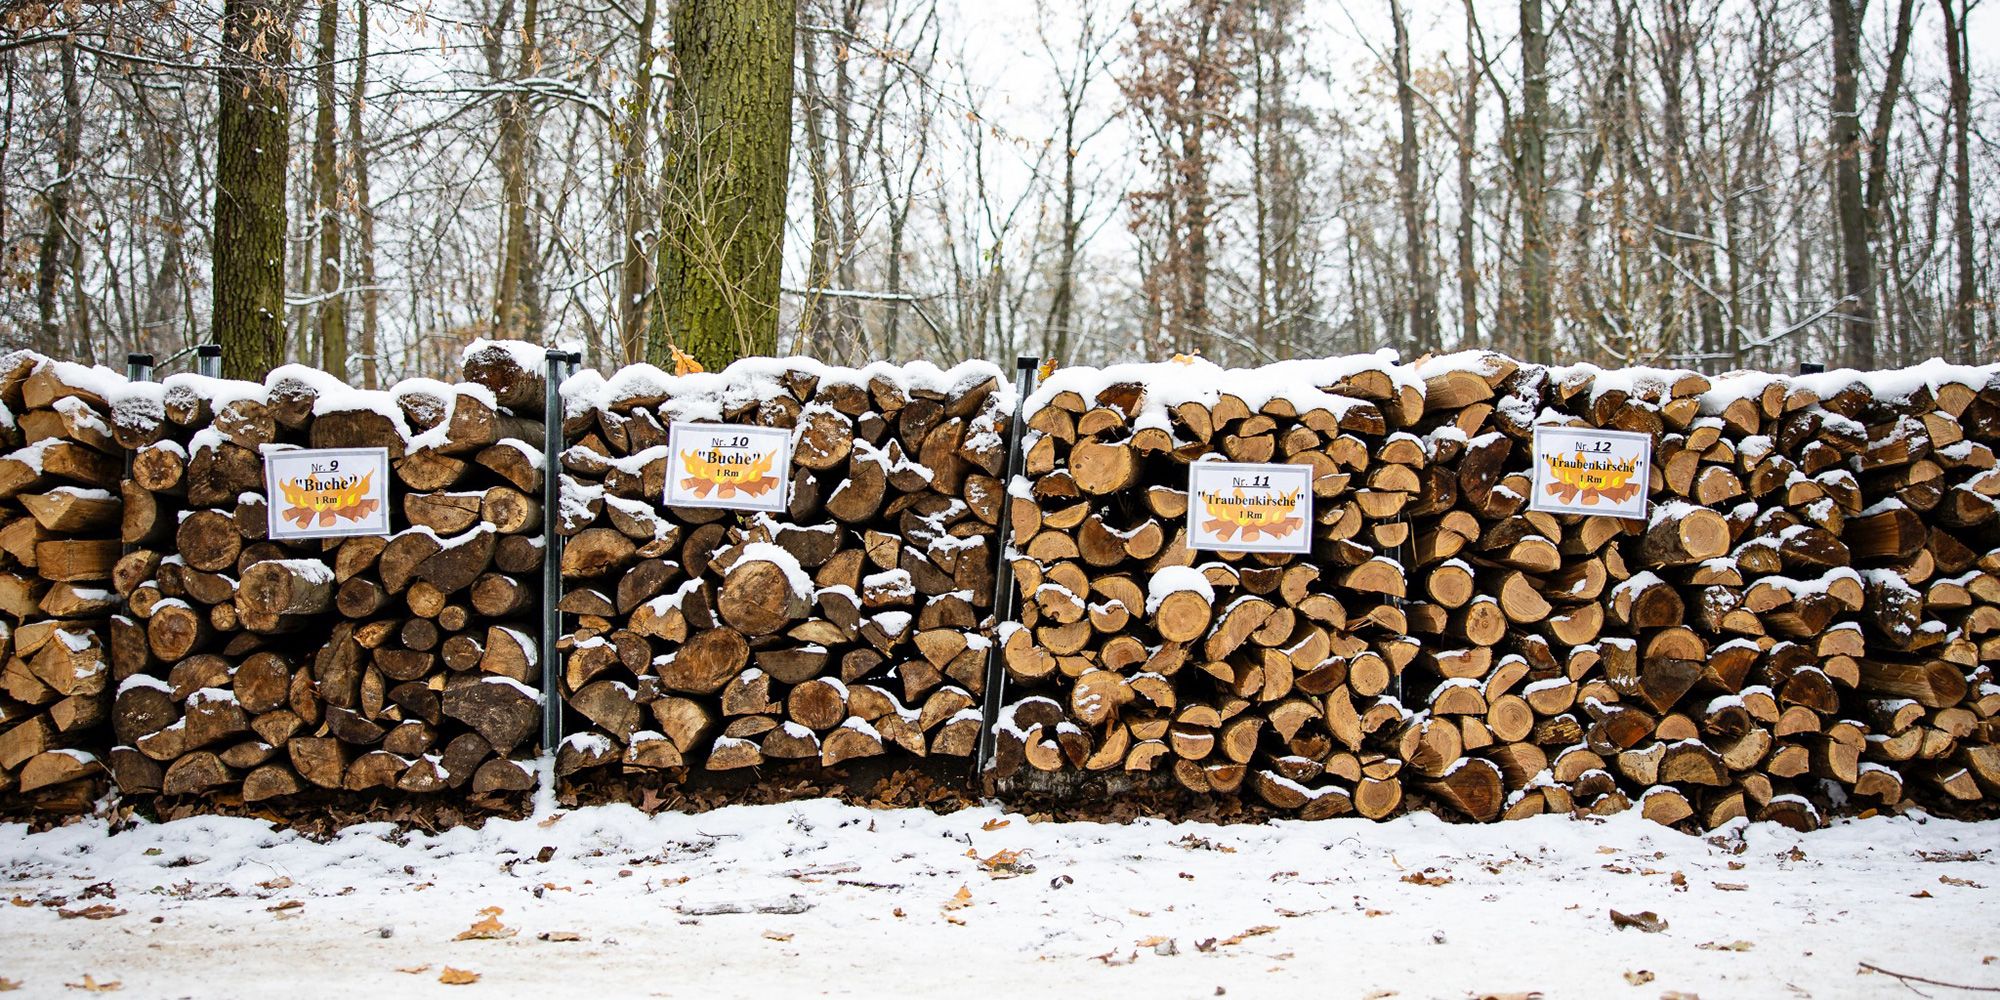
[{"x": 820, "y": 898}]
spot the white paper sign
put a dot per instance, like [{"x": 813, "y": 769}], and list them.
[
  {"x": 723, "y": 465},
  {"x": 1582, "y": 470},
  {"x": 327, "y": 492},
  {"x": 1241, "y": 507}
]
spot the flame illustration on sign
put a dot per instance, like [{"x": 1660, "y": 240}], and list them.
[
  {"x": 726, "y": 479},
  {"x": 349, "y": 503},
  {"x": 1273, "y": 516},
  {"x": 1575, "y": 479}
]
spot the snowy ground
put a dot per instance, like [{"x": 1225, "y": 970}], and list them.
[{"x": 844, "y": 901}]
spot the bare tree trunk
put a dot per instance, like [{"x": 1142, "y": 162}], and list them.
[
  {"x": 326, "y": 208},
  {"x": 1531, "y": 180},
  {"x": 1957, "y": 58},
  {"x": 1857, "y": 305},
  {"x": 1468, "y": 194},
  {"x": 846, "y": 311},
  {"x": 55, "y": 233},
  {"x": 1423, "y": 294},
  {"x": 252, "y": 142},
  {"x": 364, "y": 210},
  {"x": 508, "y": 308},
  {"x": 816, "y": 319},
  {"x": 632, "y": 271}
]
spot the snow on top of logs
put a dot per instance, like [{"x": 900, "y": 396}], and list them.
[
  {"x": 795, "y": 575},
  {"x": 1199, "y": 380},
  {"x": 708, "y": 395},
  {"x": 1170, "y": 580}
]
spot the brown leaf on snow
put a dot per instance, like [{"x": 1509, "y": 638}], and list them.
[
  {"x": 1921, "y": 894},
  {"x": 9, "y": 985},
  {"x": 1002, "y": 864},
  {"x": 457, "y": 977},
  {"x": 959, "y": 900},
  {"x": 90, "y": 985},
  {"x": 1639, "y": 977},
  {"x": 22, "y": 901},
  {"x": 778, "y": 935},
  {"x": 290, "y": 904},
  {"x": 1426, "y": 878},
  {"x": 1963, "y": 883},
  {"x": 559, "y": 936},
  {"x": 993, "y": 824},
  {"x": 1526, "y": 995},
  {"x": 487, "y": 927},
  {"x": 281, "y": 882},
  {"x": 1678, "y": 995},
  {"x": 98, "y": 911},
  {"x": 1256, "y": 931},
  {"x": 1731, "y": 887},
  {"x": 1730, "y": 946},
  {"x": 1645, "y": 920},
  {"x": 414, "y": 970}
]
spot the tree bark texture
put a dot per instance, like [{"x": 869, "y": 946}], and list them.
[{"x": 248, "y": 304}]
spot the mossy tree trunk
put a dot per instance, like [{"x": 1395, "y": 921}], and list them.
[
  {"x": 723, "y": 185},
  {"x": 248, "y": 304}
]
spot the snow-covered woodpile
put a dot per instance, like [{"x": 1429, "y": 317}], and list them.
[
  {"x": 1809, "y": 615},
  {"x": 258, "y": 668},
  {"x": 853, "y": 623},
  {"x": 1807, "y": 618},
  {"x": 58, "y": 543}
]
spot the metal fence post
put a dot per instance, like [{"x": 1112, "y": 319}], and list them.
[
  {"x": 557, "y": 367},
  {"x": 1003, "y": 575},
  {"x": 208, "y": 360}
]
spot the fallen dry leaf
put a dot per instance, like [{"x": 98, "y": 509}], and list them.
[
  {"x": 778, "y": 935},
  {"x": 959, "y": 900},
  {"x": 1678, "y": 995},
  {"x": 97, "y": 911},
  {"x": 1113, "y": 958},
  {"x": 1639, "y": 977},
  {"x": 1645, "y": 920},
  {"x": 487, "y": 927},
  {"x": 1731, "y": 887},
  {"x": 1921, "y": 894},
  {"x": 1148, "y": 942},
  {"x": 281, "y": 882},
  {"x": 559, "y": 936},
  {"x": 22, "y": 901},
  {"x": 1426, "y": 878},
  {"x": 1256, "y": 931},
  {"x": 897, "y": 913},
  {"x": 457, "y": 977},
  {"x": 1720, "y": 946},
  {"x": 414, "y": 970},
  {"x": 290, "y": 904},
  {"x": 993, "y": 824},
  {"x": 90, "y": 985},
  {"x": 1528, "y": 995},
  {"x": 1963, "y": 883},
  {"x": 9, "y": 985},
  {"x": 1002, "y": 864}
]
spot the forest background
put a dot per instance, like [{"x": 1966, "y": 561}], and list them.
[{"x": 1703, "y": 183}]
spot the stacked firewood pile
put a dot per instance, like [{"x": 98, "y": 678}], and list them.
[
  {"x": 1807, "y": 616},
  {"x": 256, "y": 668},
  {"x": 58, "y": 544},
  {"x": 853, "y": 624},
  {"x": 1271, "y": 673}
]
